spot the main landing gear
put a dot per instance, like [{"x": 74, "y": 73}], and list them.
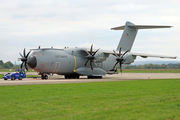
[
  {"x": 77, "y": 77},
  {"x": 71, "y": 76},
  {"x": 44, "y": 76},
  {"x": 94, "y": 77}
]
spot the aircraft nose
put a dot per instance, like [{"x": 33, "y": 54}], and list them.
[{"x": 32, "y": 62}]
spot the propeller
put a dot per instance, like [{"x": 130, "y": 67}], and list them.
[
  {"x": 90, "y": 57},
  {"x": 119, "y": 58},
  {"x": 24, "y": 58}
]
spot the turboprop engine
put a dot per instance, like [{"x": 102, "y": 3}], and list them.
[{"x": 128, "y": 58}]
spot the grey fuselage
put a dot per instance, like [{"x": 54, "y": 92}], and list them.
[{"x": 67, "y": 61}]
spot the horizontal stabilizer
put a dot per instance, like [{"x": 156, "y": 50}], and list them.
[{"x": 133, "y": 26}]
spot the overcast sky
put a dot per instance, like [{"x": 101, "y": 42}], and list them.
[{"x": 79, "y": 23}]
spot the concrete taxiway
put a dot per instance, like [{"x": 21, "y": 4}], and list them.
[{"x": 58, "y": 79}]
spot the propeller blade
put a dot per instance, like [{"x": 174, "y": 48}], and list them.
[
  {"x": 24, "y": 52},
  {"x": 95, "y": 52},
  {"x": 28, "y": 54},
  {"x": 91, "y": 49},
  {"x": 21, "y": 55},
  {"x": 115, "y": 53},
  {"x": 120, "y": 51},
  {"x": 120, "y": 64},
  {"x": 87, "y": 52},
  {"x": 119, "y": 58},
  {"x": 39, "y": 47},
  {"x": 115, "y": 65},
  {"x": 124, "y": 53},
  {"x": 91, "y": 65},
  {"x": 86, "y": 63},
  {"x": 22, "y": 65},
  {"x": 90, "y": 56},
  {"x": 26, "y": 66}
]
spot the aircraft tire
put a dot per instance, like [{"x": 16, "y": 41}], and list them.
[
  {"x": 65, "y": 76},
  {"x": 71, "y": 76},
  {"x": 42, "y": 77},
  {"x": 94, "y": 77},
  {"x": 45, "y": 77},
  {"x": 99, "y": 77},
  {"x": 90, "y": 77}
]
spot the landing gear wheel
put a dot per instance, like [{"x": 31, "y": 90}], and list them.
[
  {"x": 94, "y": 77},
  {"x": 74, "y": 76},
  {"x": 65, "y": 76},
  {"x": 44, "y": 77},
  {"x": 89, "y": 77},
  {"x": 99, "y": 77}
]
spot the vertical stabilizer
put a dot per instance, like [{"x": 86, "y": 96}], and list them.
[
  {"x": 127, "y": 38},
  {"x": 129, "y": 34}
]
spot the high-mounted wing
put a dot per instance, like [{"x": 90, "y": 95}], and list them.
[{"x": 144, "y": 55}]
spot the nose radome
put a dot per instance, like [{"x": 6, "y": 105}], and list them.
[{"x": 32, "y": 62}]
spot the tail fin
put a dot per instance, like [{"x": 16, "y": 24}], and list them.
[{"x": 129, "y": 34}]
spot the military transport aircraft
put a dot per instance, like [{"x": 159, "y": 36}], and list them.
[{"x": 75, "y": 62}]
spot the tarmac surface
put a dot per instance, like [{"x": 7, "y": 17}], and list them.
[{"x": 59, "y": 79}]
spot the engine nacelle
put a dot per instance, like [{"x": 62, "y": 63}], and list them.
[
  {"x": 100, "y": 56},
  {"x": 128, "y": 58}
]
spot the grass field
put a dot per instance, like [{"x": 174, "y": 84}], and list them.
[
  {"x": 1, "y": 76},
  {"x": 151, "y": 70},
  {"x": 122, "y": 100}
]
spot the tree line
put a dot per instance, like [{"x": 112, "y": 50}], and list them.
[
  {"x": 7, "y": 65},
  {"x": 153, "y": 66}
]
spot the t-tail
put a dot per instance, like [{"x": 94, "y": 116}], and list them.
[{"x": 129, "y": 34}]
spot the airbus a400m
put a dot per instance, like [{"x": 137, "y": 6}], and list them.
[{"x": 76, "y": 62}]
